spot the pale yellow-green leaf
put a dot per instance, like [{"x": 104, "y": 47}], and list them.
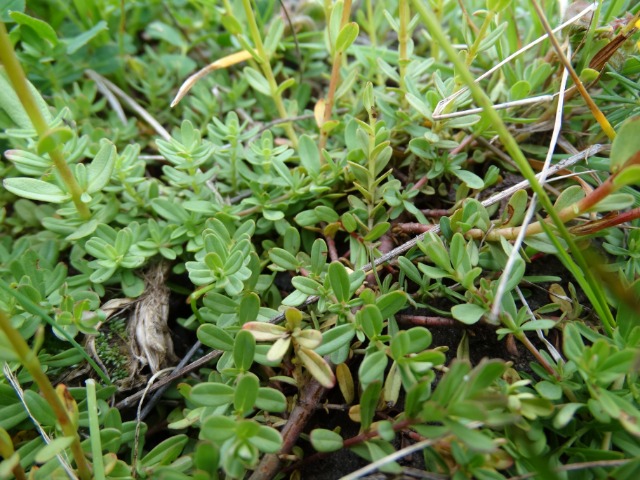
[
  {"x": 317, "y": 367},
  {"x": 278, "y": 349}
]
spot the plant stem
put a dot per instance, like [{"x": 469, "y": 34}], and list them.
[
  {"x": 310, "y": 397},
  {"x": 21, "y": 86},
  {"x": 607, "y": 222},
  {"x": 403, "y": 39},
  {"x": 511, "y": 233},
  {"x": 30, "y": 361},
  {"x": 265, "y": 65},
  {"x": 595, "y": 111},
  {"x": 121, "y": 33},
  {"x": 94, "y": 429},
  {"x": 6, "y": 451},
  {"x": 510, "y": 144},
  {"x": 595, "y": 19},
  {"x": 473, "y": 50},
  {"x": 569, "y": 213},
  {"x": 373, "y": 39},
  {"x": 335, "y": 77},
  {"x": 534, "y": 351}
]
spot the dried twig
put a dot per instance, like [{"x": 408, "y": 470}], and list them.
[
  {"x": 224, "y": 62},
  {"x": 443, "y": 103},
  {"x": 311, "y": 395},
  {"x": 135, "y": 106}
]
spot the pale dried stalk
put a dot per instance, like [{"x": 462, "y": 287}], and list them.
[
  {"x": 146, "y": 116},
  {"x": 223, "y": 62},
  {"x": 443, "y": 103},
  {"x": 373, "y": 466}
]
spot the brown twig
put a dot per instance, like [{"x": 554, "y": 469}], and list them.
[
  {"x": 331, "y": 247},
  {"x": 536, "y": 353},
  {"x": 606, "y": 222},
  {"x": 335, "y": 78},
  {"x": 178, "y": 373},
  {"x": 436, "y": 212},
  {"x": 412, "y": 227},
  {"x": 311, "y": 395},
  {"x": 429, "y": 321}
]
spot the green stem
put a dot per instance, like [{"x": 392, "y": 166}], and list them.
[
  {"x": 430, "y": 20},
  {"x": 595, "y": 20},
  {"x": 374, "y": 40},
  {"x": 595, "y": 111},
  {"x": 21, "y": 86},
  {"x": 435, "y": 46},
  {"x": 473, "y": 50},
  {"x": 30, "y": 361},
  {"x": 233, "y": 160},
  {"x": 6, "y": 451},
  {"x": 265, "y": 65},
  {"x": 335, "y": 76},
  {"x": 371, "y": 188},
  {"x": 572, "y": 211},
  {"x": 403, "y": 40},
  {"x": 121, "y": 33},
  {"x": 94, "y": 430}
]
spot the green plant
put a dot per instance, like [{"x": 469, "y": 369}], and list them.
[{"x": 333, "y": 214}]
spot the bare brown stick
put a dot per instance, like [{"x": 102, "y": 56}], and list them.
[
  {"x": 311, "y": 395},
  {"x": 178, "y": 373},
  {"x": 331, "y": 247},
  {"x": 536, "y": 353},
  {"x": 436, "y": 212},
  {"x": 412, "y": 227},
  {"x": 429, "y": 321}
]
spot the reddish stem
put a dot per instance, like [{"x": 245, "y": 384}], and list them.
[
  {"x": 311, "y": 396},
  {"x": 415, "y": 228},
  {"x": 429, "y": 321},
  {"x": 596, "y": 226},
  {"x": 331, "y": 246},
  {"x": 436, "y": 212}
]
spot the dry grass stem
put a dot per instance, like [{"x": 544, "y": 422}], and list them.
[
  {"x": 135, "y": 106},
  {"x": 224, "y": 62},
  {"x": 515, "y": 252},
  {"x": 444, "y": 102}
]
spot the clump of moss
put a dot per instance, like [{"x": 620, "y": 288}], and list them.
[{"x": 112, "y": 348}]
